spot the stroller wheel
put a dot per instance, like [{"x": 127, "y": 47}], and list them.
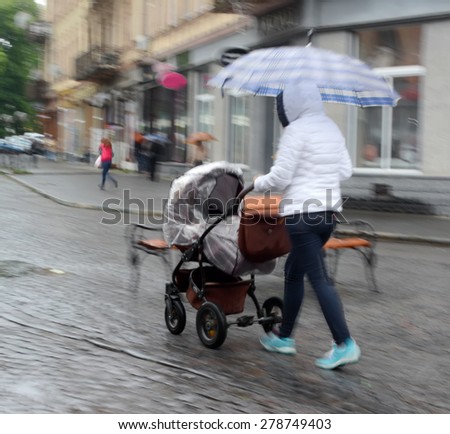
[
  {"x": 175, "y": 317},
  {"x": 272, "y": 307},
  {"x": 211, "y": 325}
]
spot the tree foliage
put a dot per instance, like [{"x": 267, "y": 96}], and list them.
[{"x": 18, "y": 59}]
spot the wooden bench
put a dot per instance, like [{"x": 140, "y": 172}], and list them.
[
  {"x": 359, "y": 236},
  {"x": 153, "y": 244}
]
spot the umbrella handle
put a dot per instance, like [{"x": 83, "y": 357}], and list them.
[
  {"x": 222, "y": 89},
  {"x": 309, "y": 35}
]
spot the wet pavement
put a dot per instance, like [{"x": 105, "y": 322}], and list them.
[{"x": 76, "y": 338}]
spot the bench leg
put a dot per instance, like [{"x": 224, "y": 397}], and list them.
[
  {"x": 331, "y": 262},
  {"x": 369, "y": 259},
  {"x": 135, "y": 262},
  {"x": 134, "y": 257},
  {"x": 370, "y": 262}
]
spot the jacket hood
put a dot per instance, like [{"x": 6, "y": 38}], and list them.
[{"x": 298, "y": 100}]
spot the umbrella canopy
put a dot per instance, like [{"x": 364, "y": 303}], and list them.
[
  {"x": 167, "y": 77},
  {"x": 199, "y": 137},
  {"x": 159, "y": 138},
  {"x": 340, "y": 78},
  {"x": 173, "y": 81}
]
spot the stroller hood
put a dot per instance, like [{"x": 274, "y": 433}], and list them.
[{"x": 197, "y": 196}]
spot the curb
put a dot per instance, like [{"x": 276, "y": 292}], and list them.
[
  {"x": 415, "y": 239},
  {"x": 403, "y": 238},
  {"x": 385, "y": 236},
  {"x": 51, "y": 197},
  {"x": 78, "y": 204}
]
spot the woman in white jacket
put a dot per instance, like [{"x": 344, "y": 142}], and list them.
[{"x": 311, "y": 161}]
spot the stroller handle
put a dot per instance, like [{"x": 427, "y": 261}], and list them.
[{"x": 245, "y": 191}]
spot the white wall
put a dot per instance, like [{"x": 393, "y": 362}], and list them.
[{"x": 436, "y": 115}]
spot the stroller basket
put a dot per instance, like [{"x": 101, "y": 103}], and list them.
[{"x": 228, "y": 292}]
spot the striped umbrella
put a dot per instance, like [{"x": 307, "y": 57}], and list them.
[{"x": 340, "y": 78}]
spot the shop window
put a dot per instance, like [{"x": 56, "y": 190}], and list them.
[
  {"x": 389, "y": 137},
  {"x": 180, "y": 126},
  {"x": 204, "y": 101},
  {"x": 165, "y": 113},
  {"x": 205, "y": 121},
  {"x": 240, "y": 129},
  {"x": 204, "y": 109},
  {"x": 398, "y": 46}
]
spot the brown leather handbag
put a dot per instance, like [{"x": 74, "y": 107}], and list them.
[{"x": 262, "y": 232}]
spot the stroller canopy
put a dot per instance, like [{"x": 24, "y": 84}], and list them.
[
  {"x": 196, "y": 199},
  {"x": 201, "y": 193}
]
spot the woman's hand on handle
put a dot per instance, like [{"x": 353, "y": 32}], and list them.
[{"x": 245, "y": 191}]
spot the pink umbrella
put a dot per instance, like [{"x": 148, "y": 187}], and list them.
[
  {"x": 168, "y": 78},
  {"x": 173, "y": 81}
]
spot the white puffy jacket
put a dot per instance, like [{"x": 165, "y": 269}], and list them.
[{"x": 312, "y": 157}]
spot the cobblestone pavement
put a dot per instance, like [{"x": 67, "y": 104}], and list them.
[{"x": 85, "y": 342}]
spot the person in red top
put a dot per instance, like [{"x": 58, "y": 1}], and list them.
[{"x": 107, "y": 154}]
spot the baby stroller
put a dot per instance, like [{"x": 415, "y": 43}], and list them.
[{"x": 202, "y": 222}]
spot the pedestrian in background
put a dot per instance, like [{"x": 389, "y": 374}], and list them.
[
  {"x": 107, "y": 154},
  {"x": 311, "y": 161},
  {"x": 200, "y": 153},
  {"x": 139, "y": 157},
  {"x": 157, "y": 150}
]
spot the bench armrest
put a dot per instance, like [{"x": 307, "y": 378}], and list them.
[{"x": 356, "y": 228}]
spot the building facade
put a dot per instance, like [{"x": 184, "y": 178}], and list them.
[
  {"x": 400, "y": 154},
  {"x": 100, "y": 61}
]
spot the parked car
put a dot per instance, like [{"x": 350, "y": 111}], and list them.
[
  {"x": 38, "y": 142},
  {"x": 34, "y": 136},
  {"x": 19, "y": 143},
  {"x": 6, "y": 148}
]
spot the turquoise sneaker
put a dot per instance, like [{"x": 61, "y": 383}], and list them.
[
  {"x": 340, "y": 355},
  {"x": 276, "y": 344}
]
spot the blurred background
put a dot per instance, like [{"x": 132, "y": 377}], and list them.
[{"x": 75, "y": 70}]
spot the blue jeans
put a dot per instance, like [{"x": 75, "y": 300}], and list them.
[
  {"x": 106, "y": 165},
  {"x": 308, "y": 234}
]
